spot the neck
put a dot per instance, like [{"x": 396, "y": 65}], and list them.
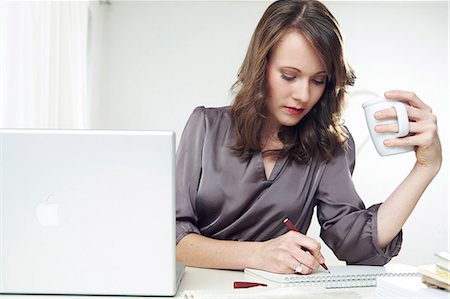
[{"x": 270, "y": 140}]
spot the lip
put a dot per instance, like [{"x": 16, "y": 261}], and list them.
[{"x": 294, "y": 110}]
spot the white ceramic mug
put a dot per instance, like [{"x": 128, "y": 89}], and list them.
[{"x": 374, "y": 105}]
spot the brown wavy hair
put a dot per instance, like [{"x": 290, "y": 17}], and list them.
[{"x": 321, "y": 130}]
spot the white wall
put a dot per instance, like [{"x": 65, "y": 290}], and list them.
[{"x": 152, "y": 63}]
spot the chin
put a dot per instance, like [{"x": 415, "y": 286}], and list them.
[{"x": 290, "y": 122}]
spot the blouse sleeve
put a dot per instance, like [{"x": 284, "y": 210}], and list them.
[
  {"x": 188, "y": 173},
  {"x": 347, "y": 227}
]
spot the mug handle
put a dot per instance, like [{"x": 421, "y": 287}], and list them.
[{"x": 402, "y": 118}]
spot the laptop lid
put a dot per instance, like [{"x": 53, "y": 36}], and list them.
[{"x": 87, "y": 212}]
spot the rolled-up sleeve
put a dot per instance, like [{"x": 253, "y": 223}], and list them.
[
  {"x": 188, "y": 173},
  {"x": 347, "y": 227}
]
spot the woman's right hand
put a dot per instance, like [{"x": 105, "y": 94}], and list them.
[{"x": 285, "y": 253}]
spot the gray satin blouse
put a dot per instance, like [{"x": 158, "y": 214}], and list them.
[{"x": 221, "y": 197}]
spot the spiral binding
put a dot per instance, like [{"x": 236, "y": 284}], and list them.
[{"x": 342, "y": 281}]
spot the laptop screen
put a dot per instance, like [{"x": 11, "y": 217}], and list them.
[{"x": 87, "y": 212}]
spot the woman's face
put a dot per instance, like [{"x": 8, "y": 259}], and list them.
[{"x": 296, "y": 78}]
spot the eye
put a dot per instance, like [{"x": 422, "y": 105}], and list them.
[
  {"x": 318, "y": 81},
  {"x": 287, "y": 77}
]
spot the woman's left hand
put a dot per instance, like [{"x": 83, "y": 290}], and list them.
[{"x": 422, "y": 129}]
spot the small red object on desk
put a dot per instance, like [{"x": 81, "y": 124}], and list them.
[{"x": 246, "y": 284}]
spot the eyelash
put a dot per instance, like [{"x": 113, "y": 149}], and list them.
[
  {"x": 318, "y": 82},
  {"x": 292, "y": 78},
  {"x": 287, "y": 78}
]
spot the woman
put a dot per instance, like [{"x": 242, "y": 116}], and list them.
[{"x": 281, "y": 150}]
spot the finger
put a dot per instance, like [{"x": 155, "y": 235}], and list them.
[
  {"x": 391, "y": 113},
  {"x": 384, "y": 114},
  {"x": 404, "y": 141},
  {"x": 312, "y": 246},
  {"x": 393, "y": 128},
  {"x": 293, "y": 264},
  {"x": 302, "y": 269},
  {"x": 418, "y": 140},
  {"x": 422, "y": 127},
  {"x": 387, "y": 128},
  {"x": 407, "y": 96},
  {"x": 414, "y": 127},
  {"x": 297, "y": 266},
  {"x": 306, "y": 259},
  {"x": 417, "y": 114},
  {"x": 414, "y": 114},
  {"x": 307, "y": 250}
]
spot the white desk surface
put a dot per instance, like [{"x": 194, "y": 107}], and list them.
[
  {"x": 220, "y": 283},
  {"x": 207, "y": 281}
]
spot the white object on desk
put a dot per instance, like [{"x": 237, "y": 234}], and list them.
[
  {"x": 218, "y": 284},
  {"x": 407, "y": 287},
  {"x": 87, "y": 212},
  {"x": 210, "y": 283},
  {"x": 278, "y": 293},
  {"x": 338, "y": 277}
]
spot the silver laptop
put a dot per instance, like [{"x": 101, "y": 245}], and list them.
[{"x": 87, "y": 212}]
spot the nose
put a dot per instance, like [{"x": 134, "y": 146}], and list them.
[{"x": 301, "y": 92}]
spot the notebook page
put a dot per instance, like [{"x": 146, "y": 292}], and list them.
[
  {"x": 319, "y": 273},
  {"x": 284, "y": 278},
  {"x": 356, "y": 270},
  {"x": 339, "y": 276}
]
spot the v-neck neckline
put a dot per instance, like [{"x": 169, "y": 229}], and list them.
[{"x": 276, "y": 168}]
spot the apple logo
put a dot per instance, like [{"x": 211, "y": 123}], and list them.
[{"x": 47, "y": 212}]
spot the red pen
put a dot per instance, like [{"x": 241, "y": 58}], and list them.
[
  {"x": 292, "y": 227},
  {"x": 246, "y": 284}
]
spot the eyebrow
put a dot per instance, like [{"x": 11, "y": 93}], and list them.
[{"x": 299, "y": 71}]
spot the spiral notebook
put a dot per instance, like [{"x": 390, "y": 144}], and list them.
[{"x": 338, "y": 277}]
